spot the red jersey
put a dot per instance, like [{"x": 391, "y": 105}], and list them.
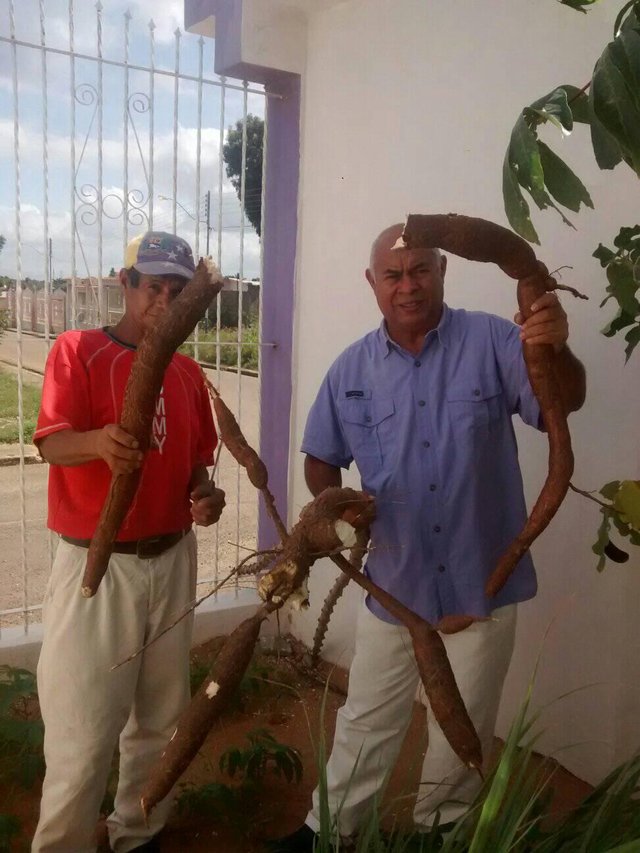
[{"x": 84, "y": 384}]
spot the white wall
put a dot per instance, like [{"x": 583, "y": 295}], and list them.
[{"x": 408, "y": 107}]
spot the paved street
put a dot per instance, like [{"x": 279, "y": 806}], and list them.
[{"x": 238, "y": 524}]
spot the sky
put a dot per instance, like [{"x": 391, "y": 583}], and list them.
[{"x": 65, "y": 193}]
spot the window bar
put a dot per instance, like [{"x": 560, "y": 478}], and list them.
[
  {"x": 101, "y": 294},
  {"x": 18, "y": 224},
  {"x": 176, "y": 90},
  {"x": 125, "y": 138},
  {"x": 72, "y": 152},
  {"x": 198, "y": 206},
  {"x": 152, "y": 64},
  {"x": 243, "y": 170},
  {"x": 219, "y": 296},
  {"x": 45, "y": 161},
  {"x": 223, "y": 95}
]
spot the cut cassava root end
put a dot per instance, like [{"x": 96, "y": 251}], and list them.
[{"x": 143, "y": 386}]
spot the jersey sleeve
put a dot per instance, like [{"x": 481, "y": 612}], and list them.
[
  {"x": 324, "y": 437},
  {"x": 65, "y": 400},
  {"x": 513, "y": 372}
]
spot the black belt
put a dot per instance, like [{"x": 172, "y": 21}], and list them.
[{"x": 152, "y": 546}]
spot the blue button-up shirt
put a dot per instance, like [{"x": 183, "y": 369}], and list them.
[{"x": 433, "y": 440}]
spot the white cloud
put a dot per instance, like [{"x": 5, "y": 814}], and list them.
[{"x": 167, "y": 18}]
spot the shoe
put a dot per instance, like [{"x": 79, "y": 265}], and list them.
[
  {"x": 303, "y": 840},
  {"x": 150, "y": 846}
]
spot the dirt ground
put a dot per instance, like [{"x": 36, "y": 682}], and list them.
[{"x": 284, "y": 696}]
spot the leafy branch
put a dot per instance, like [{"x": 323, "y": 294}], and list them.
[
  {"x": 621, "y": 508},
  {"x": 623, "y": 273}
]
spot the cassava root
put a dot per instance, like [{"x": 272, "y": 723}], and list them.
[{"x": 143, "y": 386}]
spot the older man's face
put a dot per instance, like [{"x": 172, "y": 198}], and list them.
[{"x": 409, "y": 287}]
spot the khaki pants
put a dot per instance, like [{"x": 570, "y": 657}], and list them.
[
  {"x": 86, "y": 707},
  {"x": 371, "y": 725}
]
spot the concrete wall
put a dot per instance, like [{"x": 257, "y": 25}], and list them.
[{"x": 408, "y": 106}]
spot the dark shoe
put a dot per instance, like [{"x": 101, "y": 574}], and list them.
[
  {"x": 300, "y": 841},
  {"x": 150, "y": 846}
]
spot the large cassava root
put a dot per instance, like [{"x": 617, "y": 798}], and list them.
[
  {"x": 310, "y": 539},
  {"x": 480, "y": 240},
  {"x": 338, "y": 519},
  {"x": 143, "y": 386}
]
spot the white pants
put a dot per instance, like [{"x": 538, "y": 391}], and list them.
[
  {"x": 86, "y": 707},
  {"x": 371, "y": 725}
]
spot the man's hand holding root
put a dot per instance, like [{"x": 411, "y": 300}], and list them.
[
  {"x": 207, "y": 504},
  {"x": 547, "y": 324},
  {"x": 118, "y": 449}
]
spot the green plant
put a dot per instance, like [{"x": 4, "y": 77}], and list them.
[
  {"x": 215, "y": 800},
  {"x": 209, "y": 352},
  {"x": 263, "y": 754},
  {"x": 21, "y": 728},
  {"x": 9, "y": 828},
  {"x": 623, "y": 273},
  {"x": 511, "y": 812},
  {"x": 9, "y": 408},
  {"x": 4, "y": 320},
  {"x": 609, "y": 104}
]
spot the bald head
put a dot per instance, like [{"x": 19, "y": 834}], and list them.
[
  {"x": 385, "y": 241},
  {"x": 408, "y": 286}
]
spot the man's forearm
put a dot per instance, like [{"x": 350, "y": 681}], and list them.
[
  {"x": 69, "y": 447},
  {"x": 570, "y": 373},
  {"x": 319, "y": 475},
  {"x": 199, "y": 476}
]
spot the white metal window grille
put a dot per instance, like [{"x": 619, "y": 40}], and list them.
[{"x": 113, "y": 135}]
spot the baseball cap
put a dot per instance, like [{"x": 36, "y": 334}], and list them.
[{"x": 160, "y": 253}]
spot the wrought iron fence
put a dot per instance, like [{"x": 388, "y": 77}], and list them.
[{"x": 109, "y": 155}]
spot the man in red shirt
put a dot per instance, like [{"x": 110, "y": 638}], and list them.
[{"x": 87, "y": 708}]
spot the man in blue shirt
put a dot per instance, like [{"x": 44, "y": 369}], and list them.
[{"x": 423, "y": 405}]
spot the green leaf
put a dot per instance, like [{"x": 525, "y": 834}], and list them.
[
  {"x": 627, "y": 238},
  {"x": 553, "y": 107},
  {"x": 515, "y": 206},
  {"x": 604, "y": 255},
  {"x": 633, "y": 339},
  {"x": 603, "y": 539},
  {"x": 615, "y": 107},
  {"x": 578, "y": 102},
  {"x": 578, "y": 4},
  {"x": 605, "y": 148},
  {"x": 609, "y": 490},
  {"x": 563, "y": 184},
  {"x": 524, "y": 158},
  {"x": 627, "y": 502},
  {"x": 619, "y": 322},
  {"x": 623, "y": 286}
]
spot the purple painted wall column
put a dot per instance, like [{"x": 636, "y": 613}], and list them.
[{"x": 279, "y": 233}]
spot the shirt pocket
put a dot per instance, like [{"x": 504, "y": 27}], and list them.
[
  {"x": 475, "y": 405},
  {"x": 366, "y": 422}
]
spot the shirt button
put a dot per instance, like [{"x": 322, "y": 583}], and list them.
[
  {"x": 421, "y": 403},
  {"x": 368, "y": 419},
  {"x": 432, "y": 487},
  {"x": 426, "y": 444},
  {"x": 436, "y": 528},
  {"x": 417, "y": 363},
  {"x": 476, "y": 392},
  {"x": 441, "y": 569}
]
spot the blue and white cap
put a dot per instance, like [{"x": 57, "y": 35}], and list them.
[{"x": 160, "y": 253}]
